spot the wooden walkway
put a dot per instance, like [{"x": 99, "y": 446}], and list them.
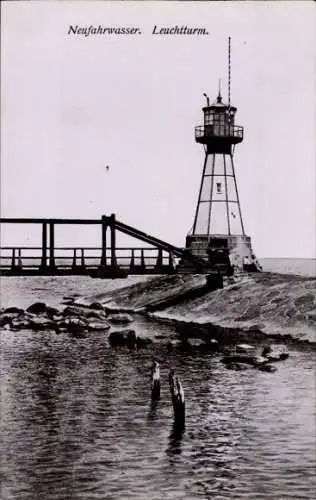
[{"x": 158, "y": 257}]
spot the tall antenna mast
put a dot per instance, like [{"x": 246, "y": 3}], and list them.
[{"x": 229, "y": 71}]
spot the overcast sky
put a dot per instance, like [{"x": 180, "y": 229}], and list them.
[{"x": 71, "y": 105}]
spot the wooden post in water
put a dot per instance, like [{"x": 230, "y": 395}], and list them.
[
  {"x": 177, "y": 397},
  {"x": 155, "y": 381}
]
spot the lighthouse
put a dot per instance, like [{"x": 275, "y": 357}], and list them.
[{"x": 218, "y": 226}]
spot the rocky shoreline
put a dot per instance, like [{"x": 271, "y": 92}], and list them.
[
  {"x": 173, "y": 300},
  {"x": 79, "y": 321},
  {"x": 251, "y": 308},
  {"x": 74, "y": 320}
]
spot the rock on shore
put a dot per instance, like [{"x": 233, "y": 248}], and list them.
[
  {"x": 74, "y": 320},
  {"x": 39, "y": 316}
]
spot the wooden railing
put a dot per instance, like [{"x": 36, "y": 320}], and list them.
[{"x": 87, "y": 258}]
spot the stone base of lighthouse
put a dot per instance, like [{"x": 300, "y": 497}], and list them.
[{"x": 219, "y": 250}]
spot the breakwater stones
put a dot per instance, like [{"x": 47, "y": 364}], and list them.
[
  {"x": 128, "y": 338},
  {"x": 123, "y": 338},
  {"x": 75, "y": 320},
  {"x": 37, "y": 308},
  {"x": 120, "y": 318},
  {"x": 39, "y": 316},
  {"x": 242, "y": 358}
]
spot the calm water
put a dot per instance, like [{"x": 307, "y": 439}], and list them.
[
  {"x": 77, "y": 422},
  {"x": 302, "y": 267}
]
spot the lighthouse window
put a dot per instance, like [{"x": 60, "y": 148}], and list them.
[
  {"x": 208, "y": 118},
  {"x": 221, "y": 119}
]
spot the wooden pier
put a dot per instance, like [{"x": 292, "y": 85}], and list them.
[{"x": 105, "y": 261}]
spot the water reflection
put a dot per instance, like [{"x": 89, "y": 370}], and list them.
[
  {"x": 152, "y": 413},
  {"x": 175, "y": 439}
]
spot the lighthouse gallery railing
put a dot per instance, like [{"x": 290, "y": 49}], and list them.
[{"x": 218, "y": 130}]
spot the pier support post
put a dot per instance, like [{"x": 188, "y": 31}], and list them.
[
  {"x": 74, "y": 260},
  {"x": 142, "y": 261},
  {"x": 158, "y": 265},
  {"x": 113, "y": 241},
  {"x": 78, "y": 269},
  {"x": 43, "y": 265},
  {"x": 13, "y": 260},
  {"x": 82, "y": 264},
  {"x": 111, "y": 271},
  {"x": 132, "y": 263},
  {"x": 137, "y": 268},
  {"x": 52, "y": 265},
  {"x": 171, "y": 263},
  {"x": 19, "y": 265},
  {"x": 103, "y": 248}
]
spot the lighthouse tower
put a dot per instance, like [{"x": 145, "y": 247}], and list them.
[{"x": 218, "y": 222}]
